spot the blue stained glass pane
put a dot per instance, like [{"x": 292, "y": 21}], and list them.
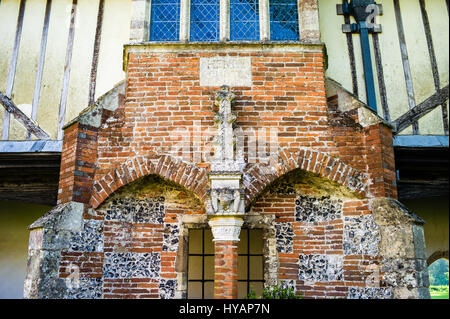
[
  {"x": 205, "y": 20},
  {"x": 244, "y": 16},
  {"x": 165, "y": 20},
  {"x": 284, "y": 20}
]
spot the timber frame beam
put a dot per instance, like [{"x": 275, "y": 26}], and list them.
[
  {"x": 29, "y": 124},
  {"x": 407, "y": 119}
]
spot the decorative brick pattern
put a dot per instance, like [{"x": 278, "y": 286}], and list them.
[
  {"x": 316, "y": 210},
  {"x": 131, "y": 265},
  {"x": 285, "y": 237},
  {"x": 171, "y": 237},
  {"x": 370, "y": 293},
  {"x": 361, "y": 236},
  {"x": 320, "y": 268},
  {"x": 167, "y": 288},
  {"x": 84, "y": 288},
  {"x": 132, "y": 210},
  {"x": 90, "y": 239}
]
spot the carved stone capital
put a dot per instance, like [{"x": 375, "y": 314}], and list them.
[
  {"x": 226, "y": 228},
  {"x": 226, "y": 201}
]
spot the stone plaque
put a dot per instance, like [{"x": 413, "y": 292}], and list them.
[{"x": 231, "y": 71}]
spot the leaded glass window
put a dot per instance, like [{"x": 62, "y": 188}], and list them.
[
  {"x": 205, "y": 20},
  {"x": 201, "y": 263},
  {"x": 244, "y": 20},
  {"x": 284, "y": 20},
  {"x": 165, "y": 20}
]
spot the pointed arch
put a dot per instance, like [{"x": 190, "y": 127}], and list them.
[
  {"x": 258, "y": 176},
  {"x": 188, "y": 175}
]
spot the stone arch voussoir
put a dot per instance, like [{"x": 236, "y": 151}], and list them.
[
  {"x": 188, "y": 175},
  {"x": 258, "y": 176},
  {"x": 436, "y": 256}
]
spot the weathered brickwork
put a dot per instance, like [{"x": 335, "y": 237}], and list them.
[
  {"x": 226, "y": 269},
  {"x": 335, "y": 244},
  {"x": 131, "y": 188}
]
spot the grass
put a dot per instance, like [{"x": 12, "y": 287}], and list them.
[{"x": 439, "y": 292}]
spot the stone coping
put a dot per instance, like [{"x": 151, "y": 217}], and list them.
[{"x": 221, "y": 47}]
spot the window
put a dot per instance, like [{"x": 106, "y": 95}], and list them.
[
  {"x": 205, "y": 20},
  {"x": 284, "y": 20},
  {"x": 209, "y": 21},
  {"x": 165, "y": 20},
  {"x": 244, "y": 20},
  {"x": 251, "y": 262},
  {"x": 201, "y": 263}
]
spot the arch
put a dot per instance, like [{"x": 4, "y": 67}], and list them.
[
  {"x": 436, "y": 256},
  {"x": 258, "y": 176},
  {"x": 188, "y": 175}
]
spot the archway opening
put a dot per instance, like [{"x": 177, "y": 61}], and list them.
[{"x": 438, "y": 272}]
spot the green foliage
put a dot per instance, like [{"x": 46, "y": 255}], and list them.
[
  {"x": 439, "y": 292},
  {"x": 275, "y": 292},
  {"x": 438, "y": 272}
]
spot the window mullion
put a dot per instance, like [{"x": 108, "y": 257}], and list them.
[
  {"x": 224, "y": 20},
  {"x": 264, "y": 20},
  {"x": 185, "y": 18}
]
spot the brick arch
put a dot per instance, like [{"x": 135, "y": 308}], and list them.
[
  {"x": 258, "y": 176},
  {"x": 188, "y": 175}
]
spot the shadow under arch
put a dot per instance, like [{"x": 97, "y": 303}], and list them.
[
  {"x": 154, "y": 186},
  {"x": 187, "y": 175},
  {"x": 258, "y": 177}
]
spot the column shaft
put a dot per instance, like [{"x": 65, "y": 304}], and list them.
[{"x": 226, "y": 270}]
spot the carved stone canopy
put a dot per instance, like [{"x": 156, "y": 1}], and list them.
[{"x": 225, "y": 141}]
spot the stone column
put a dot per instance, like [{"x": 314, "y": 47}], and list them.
[
  {"x": 226, "y": 206},
  {"x": 226, "y": 231},
  {"x": 140, "y": 21},
  {"x": 224, "y": 20},
  {"x": 309, "y": 20}
]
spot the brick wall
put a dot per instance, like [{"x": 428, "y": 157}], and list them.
[
  {"x": 164, "y": 103},
  {"x": 327, "y": 240}
]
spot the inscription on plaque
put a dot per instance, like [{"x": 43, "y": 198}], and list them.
[{"x": 230, "y": 71}]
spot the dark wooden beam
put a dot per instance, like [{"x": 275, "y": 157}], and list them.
[
  {"x": 422, "y": 172},
  {"x": 380, "y": 76},
  {"x": 96, "y": 53},
  {"x": 31, "y": 126},
  {"x": 351, "y": 56},
  {"x": 433, "y": 61},
  {"x": 407, "y": 119},
  {"x": 30, "y": 177},
  {"x": 41, "y": 63},
  {"x": 13, "y": 68},
  {"x": 67, "y": 69},
  {"x": 406, "y": 64}
]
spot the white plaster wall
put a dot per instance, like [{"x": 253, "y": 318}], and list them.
[
  {"x": 115, "y": 32},
  {"x": 339, "y": 65}
]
